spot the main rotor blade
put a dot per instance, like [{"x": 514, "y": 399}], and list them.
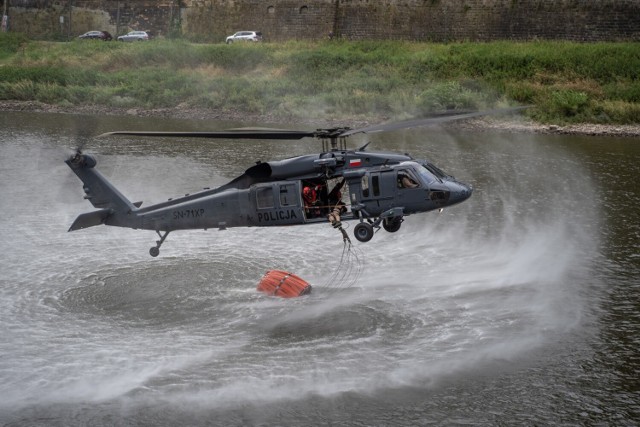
[
  {"x": 230, "y": 134},
  {"x": 408, "y": 124}
]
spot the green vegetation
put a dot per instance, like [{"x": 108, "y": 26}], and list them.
[
  {"x": 566, "y": 82},
  {"x": 10, "y": 44}
]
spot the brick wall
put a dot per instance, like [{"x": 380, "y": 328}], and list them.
[{"x": 436, "y": 20}]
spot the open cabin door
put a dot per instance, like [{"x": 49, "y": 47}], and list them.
[{"x": 320, "y": 196}]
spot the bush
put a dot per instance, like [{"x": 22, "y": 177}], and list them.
[
  {"x": 569, "y": 103},
  {"x": 237, "y": 58},
  {"x": 10, "y": 43},
  {"x": 45, "y": 74},
  {"x": 621, "y": 112},
  {"x": 447, "y": 96},
  {"x": 623, "y": 91},
  {"x": 522, "y": 92}
]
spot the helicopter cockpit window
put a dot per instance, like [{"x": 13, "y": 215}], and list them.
[
  {"x": 288, "y": 195},
  {"x": 264, "y": 197},
  {"x": 406, "y": 179}
]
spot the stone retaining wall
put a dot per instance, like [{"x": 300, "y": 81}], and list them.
[{"x": 431, "y": 20}]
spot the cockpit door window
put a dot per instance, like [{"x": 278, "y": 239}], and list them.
[{"x": 407, "y": 179}]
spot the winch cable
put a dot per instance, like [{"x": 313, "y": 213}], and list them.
[{"x": 349, "y": 268}]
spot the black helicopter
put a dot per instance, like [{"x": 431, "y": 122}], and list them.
[{"x": 381, "y": 188}]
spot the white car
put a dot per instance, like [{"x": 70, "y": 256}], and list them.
[
  {"x": 134, "y": 36},
  {"x": 253, "y": 36}
]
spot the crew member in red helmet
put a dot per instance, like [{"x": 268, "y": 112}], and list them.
[{"x": 311, "y": 202}]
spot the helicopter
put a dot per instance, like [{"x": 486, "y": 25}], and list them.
[{"x": 380, "y": 189}]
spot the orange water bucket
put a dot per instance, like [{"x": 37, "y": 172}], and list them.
[{"x": 283, "y": 284}]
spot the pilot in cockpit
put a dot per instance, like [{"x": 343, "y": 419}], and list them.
[{"x": 405, "y": 181}]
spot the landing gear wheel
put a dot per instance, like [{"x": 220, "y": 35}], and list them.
[
  {"x": 392, "y": 224},
  {"x": 155, "y": 251},
  {"x": 363, "y": 231}
]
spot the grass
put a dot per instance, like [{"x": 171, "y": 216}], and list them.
[{"x": 565, "y": 82}]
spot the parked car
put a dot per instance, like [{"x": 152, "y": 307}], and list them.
[
  {"x": 134, "y": 36},
  {"x": 253, "y": 36},
  {"x": 97, "y": 35}
]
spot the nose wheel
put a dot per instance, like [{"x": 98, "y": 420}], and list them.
[
  {"x": 392, "y": 224},
  {"x": 154, "y": 251}
]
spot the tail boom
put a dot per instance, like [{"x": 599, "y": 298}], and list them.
[{"x": 115, "y": 208}]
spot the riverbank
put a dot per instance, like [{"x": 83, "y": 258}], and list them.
[
  {"x": 513, "y": 124},
  {"x": 565, "y": 83}
]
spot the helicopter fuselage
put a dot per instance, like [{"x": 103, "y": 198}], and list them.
[{"x": 371, "y": 189}]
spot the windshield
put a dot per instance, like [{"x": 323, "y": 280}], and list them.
[
  {"x": 427, "y": 176},
  {"x": 432, "y": 169}
]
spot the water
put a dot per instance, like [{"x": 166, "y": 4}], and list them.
[{"x": 518, "y": 306}]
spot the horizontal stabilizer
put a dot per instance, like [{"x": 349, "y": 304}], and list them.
[{"x": 90, "y": 219}]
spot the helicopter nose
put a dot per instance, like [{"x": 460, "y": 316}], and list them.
[{"x": 459, "y": 192}]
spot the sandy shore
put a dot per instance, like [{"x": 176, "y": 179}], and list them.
[{"x": 515, "y": 124}]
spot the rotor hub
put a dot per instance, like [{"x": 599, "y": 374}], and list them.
[{"x": 333, "y": 139}]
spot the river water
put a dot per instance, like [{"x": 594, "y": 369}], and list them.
[{"x": 519, "y": 306}]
